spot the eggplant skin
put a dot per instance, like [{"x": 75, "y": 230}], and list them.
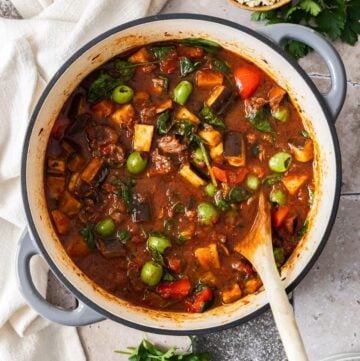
[
  {"x": 233, "y": 144},
  {"x": 141, "y": 212}
]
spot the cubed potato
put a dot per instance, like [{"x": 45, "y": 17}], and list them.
[
  {"x": 165, "y": 105},
  {"x": 76, "y": 246},
  {"x": 124, "y": 115},
  {"x": 231, "y": 294},
  {"x": 143, "y": 135},
  {"x": 55, "y": 186},
  {"x": 74, "y": 181},
  {"x": 141, "y": 56},
  {"x": 56, "y": 166},
  {"x": 293, "y": 182},
  {"x": 103, "y": 109},
  {"x": 91, "y": 170},
  {"x": 69, "y": 204},
  {"x": 208, "y": 278},
  {"x": 252, "y": 285},
  {"x": 208, "y": 78},
  {"x": 191, "y": 176},
  {"x": 208, "y": 256},
  {"x": 217, "y": 152},
  {"x": 185, "y": 114},
  {"x": 211, "y": 136},
  {"x": 62, "y": 221},
  {"x": 304, "y": 154}
]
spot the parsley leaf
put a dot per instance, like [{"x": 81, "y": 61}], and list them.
[{"x": 336, "y": 19}]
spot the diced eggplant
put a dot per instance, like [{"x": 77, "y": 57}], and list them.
[
  {"x": 208, "y": 256},
  {"x": 100, "y": 176},
  {"x": 220, "y": 98},
  {"x": 141, "y": 212},
  {"x": 141, "y": 56},
  {"x": 211, "y": 136},
  {"x": 56, "y": 166},
  {"x": 68, "y": 146},
  {"x": 77, "y": 106},
  {"x": 185, "y": 114},
  {"x": 69, "y": 205},
  {"x": 91, "y": 170},
  {"x": 217, "y": 152},
  {"x": 187, "y": 173},
  {"x": 55, "y": 186},
  {"x": 234, "y": 149},
  {"x": 209, "y": 78},
  {"x": 110, "y": 248},
  {"x": 143, "y": 135},
  {"x": 166, "y": 105},
  {"x": 231, "y": 294},
  {"x": 78, "y": 126},
  {"x": 75, "y": 162},
  {"x": 124, "y": 115},
  {"x": 61, "y": 220}
]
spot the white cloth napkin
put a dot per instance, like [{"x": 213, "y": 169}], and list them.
[{"x": 32, "y": 49}]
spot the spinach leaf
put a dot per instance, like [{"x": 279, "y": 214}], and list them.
[
  {"x": 260, "y": 120},
  {"x": 187, "y": 66},
  {"x": 185, "y": 128},
  {"x": 125, "y": 69},
  {"x": 272, "y": 179},
  {"x": 124, "y": 191},
  {"x": 303, "y": 229},
  {"x": 220, "y": 65},
  {"x": 102, "y": 87},
  {"x": 163, "y": 123},
  {"x": 88, "y": 233},
  {"x": 208, "y": 45},
  {"x": 211, "y": 118},
  {"x": 161, "y": 52},
  {"x": 123, "y": 236}
]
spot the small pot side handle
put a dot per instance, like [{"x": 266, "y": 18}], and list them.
[
  {"x": 335, "y": 98},
  {"x": 81, "y": 315}
]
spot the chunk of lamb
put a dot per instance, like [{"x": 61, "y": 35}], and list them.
[
  {"x": 170, "y": 144},
  {"x": 100, "y": 135},
  {"x": 113, "y": 153},
  {"x": 161, "y": 163}
]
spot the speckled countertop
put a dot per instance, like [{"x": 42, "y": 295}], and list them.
[{"x": 327, "y": 302}]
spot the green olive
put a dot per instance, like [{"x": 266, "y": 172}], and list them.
[
  {"x": 210, "y": 190},
  {"x": 158, "y": 243},
  {"x": 207, "y": 213},
  {"x": 252, "y": 182},
  {"x": 151, "y": 273},
  {"x": 198, "y": 157},
  {"x": 105, "y": 227},
  {"x": 182, "y": 92},
  {"x": 280, "y": 162},
  {"x": 282, "y": 114},
  {"x": 136, "y": 163},
  {"x": 278, "y": 196},
  {"x": 122, "y": 94}
]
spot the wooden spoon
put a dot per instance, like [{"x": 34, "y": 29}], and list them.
[{"x": 257, "y": 248}]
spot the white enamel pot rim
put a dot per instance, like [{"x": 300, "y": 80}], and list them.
[{"x": 94, "y": 303}]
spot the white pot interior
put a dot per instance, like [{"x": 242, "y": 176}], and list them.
[{"x": 247, "y": 46}]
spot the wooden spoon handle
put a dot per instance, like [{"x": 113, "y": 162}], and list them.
[{"x": 280, "y": 306}]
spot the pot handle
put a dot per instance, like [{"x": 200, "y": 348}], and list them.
[
  {"x": 335, "y": 98},
  {"x": 80, "y": 316}
]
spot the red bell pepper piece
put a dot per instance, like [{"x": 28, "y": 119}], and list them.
[
  {"x": 175, "y": 289},
  {"x": 237, "y": 177},
  {"x": 174, "y": 264},
  {"x": 220, "y": 174},
  {"x": 247, "y": 79},
  {"x": 200, "y": 301},
  {"x": 280, "y": 215}
]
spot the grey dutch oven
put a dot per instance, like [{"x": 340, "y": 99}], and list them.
[{"x": 319, "y": 112}]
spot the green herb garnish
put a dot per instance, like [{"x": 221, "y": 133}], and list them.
[
  {"x": 163, "y": 123},
  {"x": 260, "y": 121},
  {"x": 272, "y": 179},
  {"x": 161, "y": 52},
  {"x": 208, "y": 45},
  {"x": 187, "y": 66},
  {"x": 336, "y": 19},
  {"x": 102, "y": 87},
  {"x": 123, "y": 236},
  {"x": 88, "y": 233},
  {"x": 221, "y": 65},
  {"x": 211, "y": 118}
]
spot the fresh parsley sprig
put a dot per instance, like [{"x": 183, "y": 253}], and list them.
[
  {"x": 336, "y": 19},
  {"x": 147, "y": 351}
]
